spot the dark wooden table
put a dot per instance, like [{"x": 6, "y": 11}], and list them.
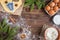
[{"x": 36, "y": 19}]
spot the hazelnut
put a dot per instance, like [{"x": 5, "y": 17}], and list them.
[
  {"x": 47, "y": 8},
  {"x": 51, "y": 12},
  {"x": 51, "y": 4}
]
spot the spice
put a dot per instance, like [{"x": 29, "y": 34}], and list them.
[{"x": 12, "y": 19}]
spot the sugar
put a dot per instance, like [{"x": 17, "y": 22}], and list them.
[{"x": 56, "y": 19}]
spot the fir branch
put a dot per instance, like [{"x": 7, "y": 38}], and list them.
[
  {"x": 6, "y": 32},
  {"x": 31, "y": 3}
]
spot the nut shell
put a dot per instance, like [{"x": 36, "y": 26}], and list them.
[{"x": 23, "y": 36}]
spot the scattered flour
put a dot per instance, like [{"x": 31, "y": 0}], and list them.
[{"x": 51, "y": 34}]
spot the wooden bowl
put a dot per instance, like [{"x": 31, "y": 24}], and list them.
[{"x": 56, "y": 29}]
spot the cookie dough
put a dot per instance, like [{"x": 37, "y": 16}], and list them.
[{"x": 11, "y": 6}]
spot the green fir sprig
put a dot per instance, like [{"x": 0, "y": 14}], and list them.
[
  {"x": 6, "y": 32},
  {"x": 31, "y": 3}
]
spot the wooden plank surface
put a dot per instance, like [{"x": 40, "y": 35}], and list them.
[{"x": 36, "y": 19}]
